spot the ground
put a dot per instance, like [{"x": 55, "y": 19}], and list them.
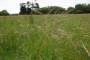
[{"x": 45, "y": 37}]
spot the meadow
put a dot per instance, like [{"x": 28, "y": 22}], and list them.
[{"x": 45, "y": 37}]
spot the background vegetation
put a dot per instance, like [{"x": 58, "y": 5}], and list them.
[
  {"x": 78, "y": 9},
  {"x": 4, "y": 13}
]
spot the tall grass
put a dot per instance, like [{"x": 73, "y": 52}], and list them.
[{"x": 45, "y": 37}]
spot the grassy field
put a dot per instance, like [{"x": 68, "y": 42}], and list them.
[{"x": 45, "y": 37}]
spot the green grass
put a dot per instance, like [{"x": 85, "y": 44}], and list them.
[{"x": 45, "y": 37}]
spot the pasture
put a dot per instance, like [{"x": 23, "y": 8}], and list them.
[{"x": 45, "y": 37}]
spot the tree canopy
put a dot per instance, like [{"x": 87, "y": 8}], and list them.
[
  {"x": 79, "y": 9},
  {"x": 52, "y": 10},
  {"x": 4, "y": 13},
  {"x": 28, "y": 8},
  {"x": 34, "y": 8}
]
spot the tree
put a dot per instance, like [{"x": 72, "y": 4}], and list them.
[
  {"x": 44, "y": 10},
  {"x": 88, "y": 8},
  {"x": 4, "y": 13},
  {"x": 22, "y": 8},
  {"x": 71, "y": 10},
  {"x": 81, "y": 8},
  {"x": 52, "y": 10},
  {"x": 37, "y": 5},
  {"x": 56, "y": 10},
  {"x": 28, "y": 8}
]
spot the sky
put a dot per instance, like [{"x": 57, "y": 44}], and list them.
[{"x": 12, "y": 6}]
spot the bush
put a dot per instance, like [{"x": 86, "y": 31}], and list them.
[
  {"x": 79, "y": 9},
  {"x": 52, "y": 10},
  {"x": 4, "y": 13},
  {"x": 82, "y": 8},
  {"x": 71, "y": 10}
]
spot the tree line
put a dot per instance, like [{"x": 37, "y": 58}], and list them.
[
  {"x": 29, "y": 8},
  {"x": 78, "y": 9}
]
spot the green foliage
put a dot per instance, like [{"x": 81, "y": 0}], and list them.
[
  {"x": 88, "y": 8},
  {"x": 79, "y": 9},
  {"x": 4, "y": 13},
  {"x": 44, "y": 10},
  {"x": 52, "y": 10},
  {"x": 71, "y": 10}
]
